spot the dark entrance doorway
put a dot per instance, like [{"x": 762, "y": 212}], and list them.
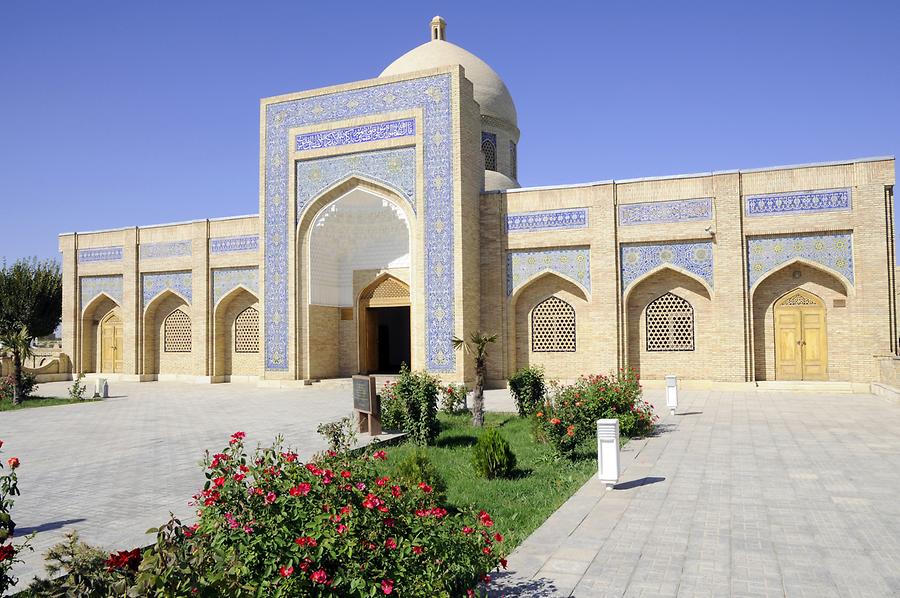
[{"x": 389, "y": 338}]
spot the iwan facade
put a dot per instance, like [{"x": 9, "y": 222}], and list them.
[{"x": 390, "y": 221}]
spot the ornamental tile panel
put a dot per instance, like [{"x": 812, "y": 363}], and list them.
[
  {"x": 432, "y": 95},
  {"x": 393, "y": 168},
  {"x": 154, "y": 284},
  {"x": 100, "y": 254},
  {"x": 573, "y": 263},
  {"x": 654, "y": 212},
  {"x": 833, "y": 251},
  {"x": 828, "y": 200},
  {"x": 547, "y": 220},
  {"x": 91, "y": 286},
  {"x": 640, "y": 258},
  {"x": 391, "y": 129},
  {"x": 239, "y": 244},
  {"x": 224, "y": 280},
  {"x": 153, "y": 251}
]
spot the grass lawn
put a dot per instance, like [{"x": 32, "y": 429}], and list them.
[
  {"x": 518, "y": 505},
  {"x": 39, "y": 402}
]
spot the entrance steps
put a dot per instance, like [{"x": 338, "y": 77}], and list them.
[{"x": 811, "y": 386}]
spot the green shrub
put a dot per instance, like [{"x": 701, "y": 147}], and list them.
[
  {"x": 453, "y": 398},
  {"x": 8, "y": 383},
  {"x": 340, "y": 435},
  {"x": 528, "y": 389},
  {"x": 491, "y": 455},
  {"x": 75, "y": 568},
  {"x": 416, "y": 468},
  {"x": 410, "y": 404},
  {"x": 76, "y": 391}
]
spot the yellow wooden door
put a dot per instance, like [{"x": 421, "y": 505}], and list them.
[
  {"x": 111, "y": 345},
  {"x": 801, "y": 339}
]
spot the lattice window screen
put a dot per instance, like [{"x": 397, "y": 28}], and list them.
[
  {"x": 490, "y": 154},
  {"x": 246, "y": 331},
  {"x": 553, "y": 326},
  {"x": 390, "y": 288},
  {"x": 177, "y": 332},
  {"x": 670, "y": 324},
  {"x": 799, "y": 299}
]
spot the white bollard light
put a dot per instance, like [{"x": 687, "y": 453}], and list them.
[
  {"x": 672, "y": 393},
  {"x": 608, "y": 451}
]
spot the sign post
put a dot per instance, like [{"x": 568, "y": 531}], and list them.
[{"x": 366, "y": 405}]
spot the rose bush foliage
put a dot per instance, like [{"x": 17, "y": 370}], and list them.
[
  {"x": 9, "y": 487},
  {"x": 570, "y": 415}
]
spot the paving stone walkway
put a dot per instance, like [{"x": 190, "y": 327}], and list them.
[{"x": 741, "y": 494}]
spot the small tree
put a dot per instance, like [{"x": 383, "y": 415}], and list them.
[
  {"x": 477, "y": 346},
  {"x": 30, "y": 306}
]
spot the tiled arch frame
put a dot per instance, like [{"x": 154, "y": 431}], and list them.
[{"x": 431, "y": 96}]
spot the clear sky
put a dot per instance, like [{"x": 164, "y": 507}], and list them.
[{"x": 123, "y": 113}]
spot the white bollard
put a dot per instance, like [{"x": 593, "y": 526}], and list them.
[
  {"x": 101, "y": 389},
  {"x": 671, "y": 393},
  {"x": 608, "y": 451}
]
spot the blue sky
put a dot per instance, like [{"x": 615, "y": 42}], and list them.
[{"x": 123, "y": 113}]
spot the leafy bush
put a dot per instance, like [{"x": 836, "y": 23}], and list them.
[
  {"x": 453, "y": 398},
  {"x": 75, "y": 568},
  {"x": 340, "y": 434},
  {"x": 528, "y": 389},
  {"x": 410, "y": 404},
  {"x": 9, "y": 487},
  {"x": 491, "y": 455},
  {"x": 76, "y": 391},
  {"x": 417, "y": 467},
  {"x": 570, "y": 416},
  {"x": 8, "y": 384}
]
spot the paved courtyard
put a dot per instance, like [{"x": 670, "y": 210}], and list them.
[{"x": 741, "y": 494}]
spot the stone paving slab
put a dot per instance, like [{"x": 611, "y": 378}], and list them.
[{"x": 740, "y": 494}]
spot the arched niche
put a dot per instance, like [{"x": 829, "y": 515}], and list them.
[
  {"x": 157, "y": 361},
  {"x": 99, "y": 310},
  {"x": 237, "y": 343},
  {"x": 383, "y": 308}
]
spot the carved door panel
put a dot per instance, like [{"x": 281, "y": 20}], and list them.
[
  {"x": 111, "y": 348},
  {"x": 788, "y": 360},
  {"x": 815, "y": 349},
  {"x": 801, "y": 338}
]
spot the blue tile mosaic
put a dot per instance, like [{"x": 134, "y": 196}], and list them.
[
  {"x": 829, "y": 200},
  {"x": 224, "y": 280},
  {"x": 234, "y": 244},
  {"x": 393, "y": 168},
  {"x": 100, "y": 254},
  {"x": 154, "y": 284},
  {"x": 432, "y": 95},
  {"x": 571, "y": 262},
  {"x": 391, "y": 129},
  {"x": 153, "y": 251},
  {"x": 91, "y": 286},
  {"x": 654, "y": 212},
  {"x": 693, "y": 257},
  {"x": 547, "y": 220},
  {"x": 834, "y": 251}
]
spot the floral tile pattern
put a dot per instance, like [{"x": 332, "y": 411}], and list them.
[
  {"x": 154, "y": 284},
  {"x": 391, "y": 129},
  {"x": 224, "y": 280},
  {"x": 152, "y": 251},
  {"x": 655, "y": 212},
  {"x": 100, "y": 254},
  {"x": 834, "y": 251},
  {"x": 829, "y": 200},
  {"x": 573, "y": 263},
  {"x": 393, "y": 168},
  {"x": 91, "y": 286},
  {"x": 640, "y": 258},
  {"x": 547, "y": 220},
  {"x": 234, "y": 244},
  {"x": 432, "y": 95}
]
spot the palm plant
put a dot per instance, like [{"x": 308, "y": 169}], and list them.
[
  {"x": 477, "y": 347},
  {"x": 18, "y": 343}
]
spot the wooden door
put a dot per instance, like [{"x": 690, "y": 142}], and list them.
[
  {"x": 111, "y": 345},
  {"x": 801, "y": 339}
]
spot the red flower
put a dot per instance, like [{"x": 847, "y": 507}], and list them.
[
  {"x": 379, "y": 455},
  {"x": 425, "y": 487},
  {"x": 270, "y": 497},
  {"x": 389, "y": 522},
  {"x": 124, "y": 559},
  {"x": 237, "y": 437},
  {"x": 341, "y": 528},
  {"x": 503, "y": 563},
  {"x": 345, "y": 474},
  {"x": 570, "y": 431},
  {"x": 13, "y": 462},
  {"x": 387, "y": 586},
  {"x": 390, "y": 543},
  {"x": 238, "y": 477},
  {"x": 319, "y": 576},
  {"x": 219, "y": 481},
  {"x": 485, "y": 519},
  {"x": 467, "y": 530},
  {"x": 289, "y": 457},
  {"x": 301, "y": 489},
  {"x": 382, "y": 481},
  {"x": 285, "y": 571},
  {"x": 396, "y": 492},
  {"x": 539, "y": 414},
  {"x": 306, "y": 541},
  {"x": 555, "y": 421},
  {"x": 498, "y": 537},
  {"x": 486, "y": 579},
  {"x": 486, "y": 550},
  {"x": 417, "y": 549},
  {"x": 1, "y": 444},
  {"x": 7, "y": 552}
]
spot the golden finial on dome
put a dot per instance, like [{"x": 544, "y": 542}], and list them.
[{"x": 438, "y": 28}]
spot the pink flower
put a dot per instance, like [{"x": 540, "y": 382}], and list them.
[
  {"x": 286, "y": 571},
  {"x": 270, "y": 497},
  {"x": 387, "y": 586},
  {"x": 301, "y": 489},
  {"x": 390, "y": 543},
  {"x": 237, "y": 437},
  {"x": 467, "y": 530},
  {"x": 341, "y": 528},
  {"x": 319, "y": 576},
  {"x": 379, "y": 455}
]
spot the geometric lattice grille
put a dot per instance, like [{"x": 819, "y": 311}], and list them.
[
  {"x": 390, "y": 288},
  {"x": 799, "y": 299},
  {"x": 490, "y": 154},
  {"x": 553, "y": 326},
  {"x": 246, "y": 331},
  {"x": 670, "y": 324},
  {"x": 177, "y": 332}
]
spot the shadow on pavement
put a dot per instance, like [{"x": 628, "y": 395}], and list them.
[
  {"x": 638, "y": 483},
  {"x": 505, "y": 584},
  {"x": 46, "y": 527},
  {"x": 689, "y": 413}
]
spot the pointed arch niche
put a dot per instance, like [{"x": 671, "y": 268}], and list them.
[
  {"x": 158, "y": 362},
  {"x": 236, "y": 337},
  {"x": 102, "y": 315},
  {"x": 357, "y": 235},
  {"x": 657, "y": 309},
  {"x": 825, "y": 288},
  {"x": 548, "y": 326}
]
